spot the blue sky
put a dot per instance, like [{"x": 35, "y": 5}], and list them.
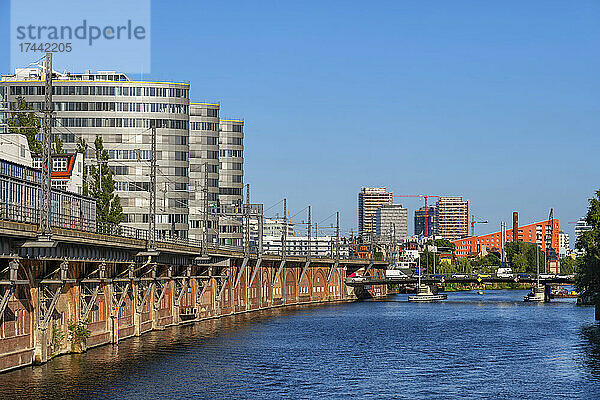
[{"x": 495, "y": 101}]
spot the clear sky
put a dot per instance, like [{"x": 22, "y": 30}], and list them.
[{"x": 495, "y": 101}]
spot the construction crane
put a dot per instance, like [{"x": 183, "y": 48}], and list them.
[
  {"x": 473, "y": 222},
  {"x": 424, "y": 196}
]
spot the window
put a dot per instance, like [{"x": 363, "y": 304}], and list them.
[
  {"x": 59, "y": 164},
  {"x": 181, "y": 156},
  {"x": 181, "y": 171},
  {"x": 120, "y": 170}
]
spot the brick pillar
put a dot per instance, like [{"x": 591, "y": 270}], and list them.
[
  {"x": 137, "y": 315},
  {"x": 174, "y": 306},
  {"x": 114, "y": 317},
  {"x": 40, "y": 336}
]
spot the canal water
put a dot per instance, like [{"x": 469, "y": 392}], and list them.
[{"x": 491, "y": 346}]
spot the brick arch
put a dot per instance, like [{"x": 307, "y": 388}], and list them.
[
  {"x": 335, "y": 284},
  {"x": 290, "y": 286},
  {"x": 266, "y": 286},
  {"x": 304, "y": 285},
  {"x": 319, "y": 284}
]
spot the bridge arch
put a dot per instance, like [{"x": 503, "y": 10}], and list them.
[
  {"x": 290, "y": 286},
  {"x": 319, "y": 283}
]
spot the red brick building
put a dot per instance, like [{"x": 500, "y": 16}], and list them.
[{"x": 532, "y": 233}]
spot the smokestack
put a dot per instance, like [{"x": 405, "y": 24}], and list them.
[{"x": 515, "y": 226}]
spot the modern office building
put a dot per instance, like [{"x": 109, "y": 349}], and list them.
[
  {"x": 538, "y": 232},
  {"x": 204, "y": 170},
  {"x": 391, "y": 221},
  {"x": 231, "y": 180},
  {"x": 369, "y": 200},
  {"x": 420, "y": 221},
  {"x": 122, "y": 111},
  {"x": 452, "y": 215}
]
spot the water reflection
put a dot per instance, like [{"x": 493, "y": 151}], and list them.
[
  {"x": 470, "y": 347},
  {"x": 591, "y": 347}
]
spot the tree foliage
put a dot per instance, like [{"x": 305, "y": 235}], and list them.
[
  {"x": 521, "y": 256},
  {"x": 587, "y": 279},
  {"x": 25, "y": 123},
  {"x": 102, "y": 187},
  {"x": 567, "y": 265},
  {"x": 58, "y": 145}
]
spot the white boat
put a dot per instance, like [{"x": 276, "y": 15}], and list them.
[
  {"x": 537, "y": 294},
  {"x": 425, "y": 295}
]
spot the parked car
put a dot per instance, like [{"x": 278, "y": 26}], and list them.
[{"x": 524, "y": 276}]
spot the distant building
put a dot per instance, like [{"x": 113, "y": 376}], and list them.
[
  {"x": 452, "y": 218},
  {"x": 391, "y": 221},
  {"x": 274, "y": 227},
  {"x": 369, "y": 200},
  {"x": 420, "y": 221},
  {"x": 321, "y": 246},
  {"x": 563, "y": 243},
  {"x": 532, "y": 233},
  {"x": 581, "y": 226}
]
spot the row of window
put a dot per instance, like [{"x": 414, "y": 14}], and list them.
[
  {"x": 197, "y": 224},
  {"x": 109, "y": 106},
  {"x": 204, "y": 126},
  {"x": 160, "y": 219},
  {"x": 234, "y": 166},
  {"x": 236, "y": 128},
  {"x": 231, "y": 153},
  {"x": 97, "y": 90},
  {"x": 230, "y": 191},
  {"x": 120, "y": 123},
  {"x": 136, "y": 154}
]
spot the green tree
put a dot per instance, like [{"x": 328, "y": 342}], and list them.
[
  {"x": 519, "y": 262},
  {"x": 58, "y": 145},
  {"x": 521, "y": 256},
  {"x": 102, "y": 187},
  {"x": 25, "y": 123},
  {"x": 587, "y": 280},
  {"x": 567, "y": 265}
]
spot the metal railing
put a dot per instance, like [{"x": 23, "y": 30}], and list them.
[{"x": 31, "y": 215}]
